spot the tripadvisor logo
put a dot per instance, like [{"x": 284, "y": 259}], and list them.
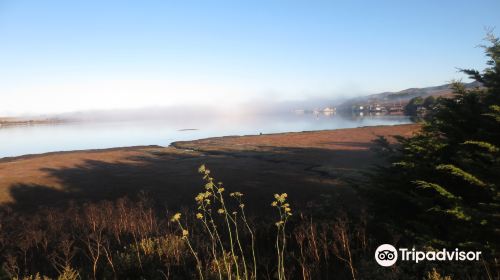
[{"x": 387, "y": 255}]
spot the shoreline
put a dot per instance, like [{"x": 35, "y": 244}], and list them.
[
  {"x": 47, "y": 154},
  {"x": 307, "y": 165},
  {"x": 179, "y": 144},
  {"x": 10, "y": 122}
]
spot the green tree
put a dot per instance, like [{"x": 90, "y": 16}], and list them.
[
  {"x": 429, "y": 101},
  {"x": 441, "y": 187},
  {"x": 413, "y": 105}
]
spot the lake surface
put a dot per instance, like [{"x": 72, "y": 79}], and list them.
[{"x": 22, "y": 140}]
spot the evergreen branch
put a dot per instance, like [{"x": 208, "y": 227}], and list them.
[
  {"x": 440, "y": 190},
  {"x": 459, "y": 173},
  {"x": 485, "y": 145}
]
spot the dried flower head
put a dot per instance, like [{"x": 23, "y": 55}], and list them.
[
  {"x": 209, "y": 186},
  {"x": 236, "y": 194},
  {"x": 200, "y": 197},
  {"x": 202, "y": 169},
  {"x": 176, "y": 217}
]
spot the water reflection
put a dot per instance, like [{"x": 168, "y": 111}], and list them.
[{"x": 20, "y": 140}]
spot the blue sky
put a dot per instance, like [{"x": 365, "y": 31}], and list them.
[{"x": 59, "y": 56}]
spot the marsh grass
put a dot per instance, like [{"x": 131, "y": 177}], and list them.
[{"x": 134, "y": 239}]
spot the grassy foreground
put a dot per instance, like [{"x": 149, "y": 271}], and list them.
[{"x": 65, "y": 215}]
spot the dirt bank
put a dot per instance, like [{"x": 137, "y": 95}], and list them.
[{"x": 307, "y": 165}]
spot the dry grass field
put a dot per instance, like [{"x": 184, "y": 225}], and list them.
[{"x": 306, "y": 165}]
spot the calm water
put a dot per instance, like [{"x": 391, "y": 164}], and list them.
[{"x": 21, "y": 140}]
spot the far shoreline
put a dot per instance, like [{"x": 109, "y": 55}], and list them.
[
  {"x": 180, "y": 144},
  {"x": 13, "y": 121}
]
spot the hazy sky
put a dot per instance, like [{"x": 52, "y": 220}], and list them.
[{"x": 59, "y": 56}]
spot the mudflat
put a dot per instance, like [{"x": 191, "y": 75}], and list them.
[{"x": 306, "y": 165}]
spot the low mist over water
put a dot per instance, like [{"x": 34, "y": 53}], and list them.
[{"x": 108, "y": 133}]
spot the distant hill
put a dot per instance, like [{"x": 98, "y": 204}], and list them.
[{"x": 402, "y": 96}]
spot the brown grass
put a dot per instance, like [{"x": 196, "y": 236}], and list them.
[{"x": 306, "y": 165}]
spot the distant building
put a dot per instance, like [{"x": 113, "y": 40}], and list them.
[
  {"x": 376, "y": 108},
  {"x": 358, "y": 108},
  {"x": 396, "y": 109},
  {"x": 329, "y": 111}
]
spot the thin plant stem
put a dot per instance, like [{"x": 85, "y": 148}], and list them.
[
  {"x": 244, "y": 218},
  {"x": 198, "y": 262},
  {"x": 234, "y": 220}
]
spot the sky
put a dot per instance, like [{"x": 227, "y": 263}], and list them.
[{"x": 64, "y": 56}]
